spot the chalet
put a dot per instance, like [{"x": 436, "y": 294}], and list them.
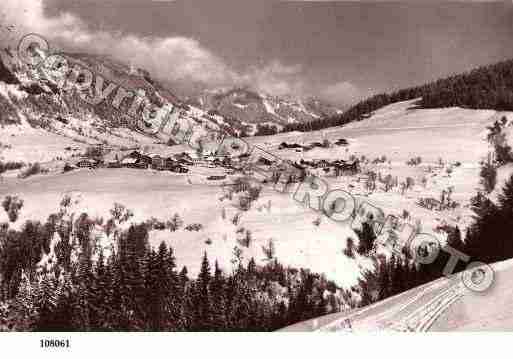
[
  {"x": 209, "y": 159},
  {"x": 347, "y": 168},
  {"x": 134, "y": 154},
  {"x": 286, "y": 145},
  {"x": 157, "y": 161},
  {"x": 299, "y": 173},
  {"x": 169, "y": 162},
  {"x": 323, "y": 164},
  {"x": 179, "y": 169},
  {"x": 186, "y": 162},
  {"x": 183, "y": 155},
  {"x": 128, "y": 162},
  {"x": 216, "y": 178},
  {"x": 145, "y": 159},
  {"x": 218, "y": 162},
  {"x": 87, "y": 163},
  {"x": 114, "y": 164},
  {"x": 265, "y": 161}
]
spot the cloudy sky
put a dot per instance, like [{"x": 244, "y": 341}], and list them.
[{"x": 338, "y": 51}]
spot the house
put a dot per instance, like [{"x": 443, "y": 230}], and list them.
[
  {"x": 179, "y": 169},
  {"x": 134, "y": 154},
  {"x": 209, "y": 157},
  {"x": 87, "y": 163},
  {"x": 128, "y": 162},
  {"x": 183, "y": 155},
  {"x": 216, "y": 178},
  {"x": 323, "y": 164},
  {"x": 284, "y": 145},
  {"x": 169, "y": 163},
  {"x": 145, "y": 159},
  {"x": 157, "y": 161},
  {"x": 114, "y": 164},
  {"x": 265, "y": 161},
  {"x": 186, "y": 162},
  {"x": 112, "y": 159},
  {"x": 347, "y": 168}
]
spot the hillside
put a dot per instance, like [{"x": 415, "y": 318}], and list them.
[
  {"x": 486, "y": 87},
  {"x": 394, "y": 131},
  {"x": 259, "y": 113},
  {"x": 34, "y": 99}
]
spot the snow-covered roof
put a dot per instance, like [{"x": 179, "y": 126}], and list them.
[{"x": 129, "y": 160}]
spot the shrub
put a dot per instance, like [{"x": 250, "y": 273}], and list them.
[
  {"x": 236, "y": 219},
  {"x": 269, "y": 250},
  {"x": 488, "y": 175},
  {"x": 349, "y": 250},
  {"x": 154, "y": 224},
  {"x": 410, "y": 182},
  {"x": 194, "y": 227},
  {"x": 32, "y": 170},
  {"x": 415, "y": 161},
  {"x": 175, "y": 223},
  {"x": 8, "y": 166},
  {"x": 367, "y": 237},
  {"x": 121, "y": 213},
  {"x": 424, "y": 181},
  {"x": 254, "y": 193},
  {"x": 246, "y": 239},
  {"x": 67, "y": 168},
  {"x": 93, "y": 152},
  {"x": 244, "y": 203},
  {"x": 12, "y": 205}
]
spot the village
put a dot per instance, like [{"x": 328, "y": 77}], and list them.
[{"x": 296, "y": 171}]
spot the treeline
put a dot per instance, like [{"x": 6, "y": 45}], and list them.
[
  {"x": 490, "y": 237},
  {"x": 487, "y": 87},
  {"x": 400, "y": 272},
  {"x": 56, "y": 277}
]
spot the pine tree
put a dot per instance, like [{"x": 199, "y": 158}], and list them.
[
  {"x": 217, "y": 289},
  {"x": 84, "y": 311},
  {"x": 367, "y": 237},
  {"x": 155, "y": 283},
  {"x": 45, "y": 303},
  {"x": 102, "y": 287},
  {"x": 176, "y": 223},
  {"x": 203, "y": 299},
  {"x": 175, "y": 293}
]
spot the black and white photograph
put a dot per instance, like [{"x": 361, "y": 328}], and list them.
[{"x": 254, "y": 166}]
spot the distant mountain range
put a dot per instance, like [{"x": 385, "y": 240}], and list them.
[
  {"x": 32, "y": 97},
  {"x": 260, "y": 112}
]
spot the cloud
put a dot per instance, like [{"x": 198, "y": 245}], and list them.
[
  {"x": 341, "y": 93},
  {"x": 275, "y": 78},
  {"x": 181, "y": 61},
  {"x": 173, "y": 58}
]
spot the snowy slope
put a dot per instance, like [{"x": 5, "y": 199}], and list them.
[
  {"x": 396, "y": 131},
  {"x": 443, "y": 305}
]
